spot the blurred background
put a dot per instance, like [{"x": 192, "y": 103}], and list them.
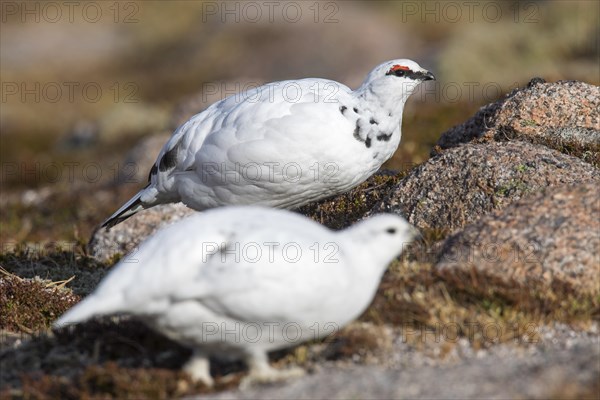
[{"x": 91, "y": 90}]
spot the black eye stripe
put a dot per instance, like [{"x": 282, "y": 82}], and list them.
[{"x": 408, "y": 73}]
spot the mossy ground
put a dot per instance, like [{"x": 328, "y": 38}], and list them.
[{"x": 342, "y": 211}]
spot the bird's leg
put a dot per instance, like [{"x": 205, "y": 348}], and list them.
[
  {"x": 262, "y": 372},
  {"x": 198, "y": 368}
]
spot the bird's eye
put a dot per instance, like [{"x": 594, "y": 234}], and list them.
[
  {"x": 398, "y": 70},
  {"x": 391, "y": 231}
]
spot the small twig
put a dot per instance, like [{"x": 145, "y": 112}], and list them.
[
  {"x": 60, "y": 284},
  {"x": 374, "y": 187},
  {"x": 6, "y": 273}
]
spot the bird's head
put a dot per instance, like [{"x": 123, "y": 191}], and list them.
[
  {"x": 395, "y": 80},
  {"x": 382, "y": 238}
]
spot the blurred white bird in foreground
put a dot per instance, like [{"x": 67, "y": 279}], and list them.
[
  {"x": 284, "y": 144},
  {"x": 237, "y": 282}
]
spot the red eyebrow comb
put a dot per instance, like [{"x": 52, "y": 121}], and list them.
[{"x": 398, "y": 66}]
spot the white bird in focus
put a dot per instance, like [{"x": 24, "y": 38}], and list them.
[
  {"x": 282, "y": 145},
  {"x": 238, "y": 282}
]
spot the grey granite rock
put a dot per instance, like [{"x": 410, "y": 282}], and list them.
[
  {"x": 563, "y": 115},
  {"x": 548, "y": 241},
  {"x": 124, "y": 237},
  {"x": 462, "y": 184}
]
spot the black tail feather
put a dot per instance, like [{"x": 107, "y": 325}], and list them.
[
  {"x": 112, "y": 221},
  {"x": 127, "y": 210}
]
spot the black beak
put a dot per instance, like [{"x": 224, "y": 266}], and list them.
[
  {"x": 421, "y": 76},
  {"x": 427, "y": 76}
]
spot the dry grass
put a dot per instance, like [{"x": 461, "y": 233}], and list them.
[
  {"x": 359, "y": 341},
  {"x": 414, "y": 296},
  {"x": 55, "y": 265},
  {"x": 30, "y": 305},
  {"x": 110, "y": 381}
]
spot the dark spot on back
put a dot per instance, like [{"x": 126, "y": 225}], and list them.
[
  {"x": 368, "y": 142},
  {"x": 355, "y": 110},
  {"x": 373, "y": 122},
  {"x": 153, "y": 171},
  {"x": 357, "y": 132},
  {"x": 384, "y": 137},
  {"x": 342, "y": 109},
  {"x": 169, "y": 159}
]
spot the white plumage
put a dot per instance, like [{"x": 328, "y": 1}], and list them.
[
  {"x": 283, "y": 144},
  {"x": 237, "y": 282}
]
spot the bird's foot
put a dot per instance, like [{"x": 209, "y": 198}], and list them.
[{"x": 198, "y": 368}]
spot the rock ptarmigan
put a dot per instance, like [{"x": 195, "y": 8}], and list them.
[
  {"x": 238, "y": 282},
  {"x": 283, "y": 145}
]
